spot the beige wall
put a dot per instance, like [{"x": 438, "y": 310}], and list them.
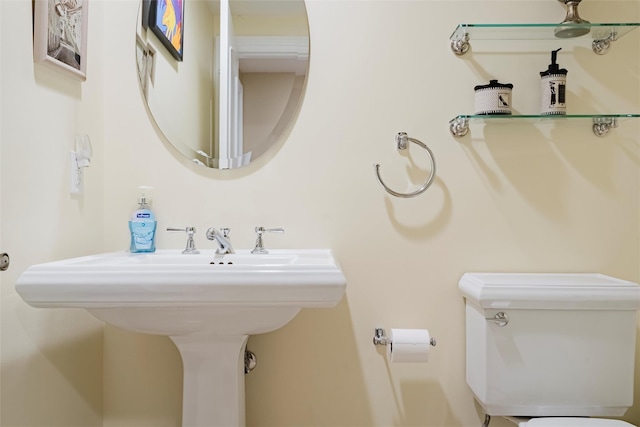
[
  {"x": 519, "y": 197},
  {"x": 51, "y": 360},
  {"x": 279, "y": 92}
]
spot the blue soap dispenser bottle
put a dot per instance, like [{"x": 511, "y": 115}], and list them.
[{"x": 142, "y": 225}]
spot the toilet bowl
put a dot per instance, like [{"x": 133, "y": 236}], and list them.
[{"x": 568, "y": 422}]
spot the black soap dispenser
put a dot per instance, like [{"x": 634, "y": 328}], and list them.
[{"x": 554, "y": 88}]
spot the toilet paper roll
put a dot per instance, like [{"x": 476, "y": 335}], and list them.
[{"x": 409, "y": 345}]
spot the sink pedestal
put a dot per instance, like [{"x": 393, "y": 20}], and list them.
[{"x": 213, "y": 390}]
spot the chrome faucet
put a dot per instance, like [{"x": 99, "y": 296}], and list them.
[
  {"x": 191, "y": 245},
  {"x": 259, "y": 249},
  {"x": 222, "y": 239}
]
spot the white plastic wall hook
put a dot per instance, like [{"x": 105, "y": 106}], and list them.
[
  {"x": 84, "y": 151},
  {"x": 80, "y": 158},
  {"x": 75, "y": 175}
]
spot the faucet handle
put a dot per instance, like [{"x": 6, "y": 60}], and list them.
[
  {"x": 191, "y": 245},
  {"x": 261, "y": 230},
  {"x": 259, "y": 249},
  {"x": 211, "y": 232}
]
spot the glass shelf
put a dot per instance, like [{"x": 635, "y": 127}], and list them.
[
  {"x": 537, "y": 31},
  {"x": 600, "y": 34},
  {"x": 602, "y": 123}
]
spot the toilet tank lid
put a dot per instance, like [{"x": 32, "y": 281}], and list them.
[
  {"x": 576, "y": 291},
  {"x": 575, "y": 422}
]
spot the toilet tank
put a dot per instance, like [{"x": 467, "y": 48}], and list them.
[{"x": 561, "y": 344}]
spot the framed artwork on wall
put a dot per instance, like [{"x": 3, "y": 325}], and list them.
[
  {"x": 60, "y": 35},
  {"x": 166, "y": 19},
  {"x": 146, "y": 4}
]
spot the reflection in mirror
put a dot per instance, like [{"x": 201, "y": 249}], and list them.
[{"x": 240, "y": 83}]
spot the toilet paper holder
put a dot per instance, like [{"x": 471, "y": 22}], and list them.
[{"x": 380, "y": 339}]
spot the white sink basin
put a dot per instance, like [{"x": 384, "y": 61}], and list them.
[
  {"x": 208, "y": 304},
  {"x": 303, "y": 278}
]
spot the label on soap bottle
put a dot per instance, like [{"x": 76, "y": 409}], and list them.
[{"x": 143, "y": 230}]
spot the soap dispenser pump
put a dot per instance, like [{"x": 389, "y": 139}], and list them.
[
  {"x": 142, "y": 225},
  {"x": 554, "y": 88}
]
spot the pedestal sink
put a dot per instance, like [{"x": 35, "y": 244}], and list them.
[{"x": 207, "y": 304}]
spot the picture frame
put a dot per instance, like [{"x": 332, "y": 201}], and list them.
[
  {"x": 146, "y": 4},
  {"x": 60, "y": 35},
  {"x": 166, "y": 20}
]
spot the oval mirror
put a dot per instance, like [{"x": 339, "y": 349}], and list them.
[{"x": 222, "y": 79}]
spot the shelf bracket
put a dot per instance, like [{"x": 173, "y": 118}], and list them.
[
  {"x": 460, "y": 44},
  {"x": 602, "y": 125},
  {"x": 601, "y": 45},
  {"x": 459, "y": 126}
]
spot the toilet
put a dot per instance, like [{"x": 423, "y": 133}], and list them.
[
  {"x": 551, "y": 350},
  {"x": 568, "y": 422}
]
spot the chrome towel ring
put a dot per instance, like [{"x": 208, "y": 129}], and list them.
[{"x": 401, "y": 141}]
